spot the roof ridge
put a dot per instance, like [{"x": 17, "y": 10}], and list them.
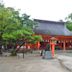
[{"x": 49, "y": 21}]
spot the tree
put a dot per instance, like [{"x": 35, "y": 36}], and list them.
[
  {"x": 8, "y": 20},
  {"x": 69, "y": 22},
  {"x": 13, "y": 27},
  {"x": 15, "y": 36},
  {"x": 27, "y": 22}
]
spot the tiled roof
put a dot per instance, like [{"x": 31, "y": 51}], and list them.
[
  {"x": 51, "y": 27},
  {"x": 47, "y": 21}
]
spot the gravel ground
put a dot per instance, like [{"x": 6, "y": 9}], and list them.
[{"x": 30, "y": 63}]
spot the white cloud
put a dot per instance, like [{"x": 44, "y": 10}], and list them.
[{"x": 43, "y": 9}]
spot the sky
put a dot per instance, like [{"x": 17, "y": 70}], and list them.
[{"x": 42, "y": 9}]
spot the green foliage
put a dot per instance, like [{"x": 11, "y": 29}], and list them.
[
  {"x": 19, "y": 34},
  {"x": 9, "y": 21},
  {"x": 36, "y": 38},
  {"x": 26, "y": 22},
  {"x": 10, "y": 24},
  {"x": 14, "y": 27},
  {"x": 57, "y": 47},
  {"x": 69, "y": 25},
  {"x": 69, "y": 22}
]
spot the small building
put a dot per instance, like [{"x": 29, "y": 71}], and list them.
[{"x": 48, "y": 29}]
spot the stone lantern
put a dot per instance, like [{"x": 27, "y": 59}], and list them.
[{"x": 53, "y": 41}]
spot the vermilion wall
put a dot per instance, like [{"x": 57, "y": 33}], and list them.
[
  {"x": 46, "y": 40},
  {"x": 60, "y": 39}
]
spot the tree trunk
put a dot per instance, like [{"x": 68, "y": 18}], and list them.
[{"x": 1, "y": 41}]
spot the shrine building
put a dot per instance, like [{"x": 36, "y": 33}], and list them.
[{"x": 49, "y": 29}]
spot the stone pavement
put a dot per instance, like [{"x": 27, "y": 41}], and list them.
[
  {"x": 31, "y": 63},
  {"x": 66, "y": 61}
]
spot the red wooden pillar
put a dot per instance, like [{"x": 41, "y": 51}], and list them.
[
  {"x": 64, "y": 47},
  {"x": 38, "y": 45}
]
